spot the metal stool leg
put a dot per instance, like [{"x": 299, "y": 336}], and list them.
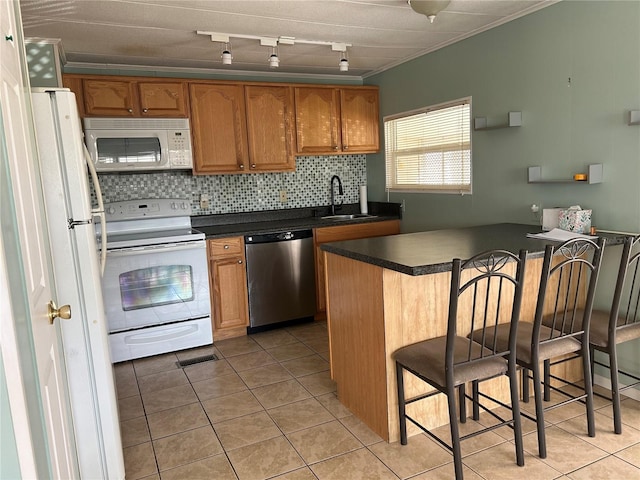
[
  {"x": 455, "y": 435},
  {"x": 588, "y": 388},
  {"x": 462, "y": 403},
  {"x": 547, "y": 380},
  {"x": 537, "y": 391},
  {"x": 615, "y": 390},
  {"x": 401, "y": 404}
]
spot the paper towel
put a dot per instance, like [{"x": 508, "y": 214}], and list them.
[{"x": 363, "y": 199}]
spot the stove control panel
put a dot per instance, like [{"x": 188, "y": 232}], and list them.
[{"x": 147, "y": 208}]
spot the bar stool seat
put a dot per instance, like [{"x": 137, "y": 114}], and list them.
[
  {"x": 547, "y": 350},
  {"x": 426, "y": 359}
]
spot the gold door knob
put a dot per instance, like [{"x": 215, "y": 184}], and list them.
[{"x": 63, "y": 312}]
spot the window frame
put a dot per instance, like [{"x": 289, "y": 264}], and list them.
[{"x": 425, "y": 188}]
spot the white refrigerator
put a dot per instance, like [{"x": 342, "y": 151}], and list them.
[{"x": 77, "y": 271}]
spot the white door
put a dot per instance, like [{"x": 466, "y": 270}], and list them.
[{"x": 24, "y": 222}]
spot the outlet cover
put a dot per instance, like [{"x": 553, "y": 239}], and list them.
[{"x": 283, "y": 196}]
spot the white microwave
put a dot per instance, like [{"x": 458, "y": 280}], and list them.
[{"x": 138, "y": 144}]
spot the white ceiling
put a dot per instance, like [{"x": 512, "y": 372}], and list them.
[{"x": 161, "y": 34}]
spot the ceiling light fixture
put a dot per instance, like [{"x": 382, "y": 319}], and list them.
[
  {"x": 274, "y": 42},
  {"x": 274, "y": 61},
  {"x": 227, "y": 59},
  {"x": 343, "y": 63},
  {"x": 429, "y": 8}
]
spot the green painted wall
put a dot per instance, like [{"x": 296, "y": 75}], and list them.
[{"x": 525, "y": 65}]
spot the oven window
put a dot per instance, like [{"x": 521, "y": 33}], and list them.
[
  {"x": 128, "y": 150},
  {"x": 154, "y": 286}
]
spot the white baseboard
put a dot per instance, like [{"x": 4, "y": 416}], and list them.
[{"x": 606, "y": 383}]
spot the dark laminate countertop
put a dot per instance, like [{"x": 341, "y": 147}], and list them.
[
  {"x": 423, "y": 253},
  {"x": 254, "y": 223}
]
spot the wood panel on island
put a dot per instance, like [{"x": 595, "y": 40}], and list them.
[{"x": 339, "y": 233}]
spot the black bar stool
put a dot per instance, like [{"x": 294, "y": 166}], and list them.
[{"x": 447, "y": 363}]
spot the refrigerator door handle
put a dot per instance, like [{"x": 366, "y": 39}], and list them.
[{"x": 99, "y": 212}]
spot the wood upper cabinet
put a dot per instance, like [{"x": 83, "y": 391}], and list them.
[
  {"x": 270, "y": 126},
  {"x": 132, "y": 98},
  {"x": 218, "y": 128},
  {"x": 339, "y": 233},
  {"x": 163, "y": 99},
  {"x": 317, "y": 117},
  {"x": 337, "y": 120},
  {"x": 228, "y": 281},
  {"x": 359, "y": 120}
]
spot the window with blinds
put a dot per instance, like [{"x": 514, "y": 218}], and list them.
[{"x": 429, "y": 150}]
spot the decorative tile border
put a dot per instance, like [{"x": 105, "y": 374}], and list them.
[{"x": 308, "y": 186}]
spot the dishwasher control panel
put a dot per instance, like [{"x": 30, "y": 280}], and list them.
[{"x": 278, "y": 236}]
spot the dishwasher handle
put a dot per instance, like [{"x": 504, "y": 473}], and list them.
[{"x": 278, "y": 236}]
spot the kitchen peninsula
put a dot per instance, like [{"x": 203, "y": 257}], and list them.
[{"x": 387, "y": 292}]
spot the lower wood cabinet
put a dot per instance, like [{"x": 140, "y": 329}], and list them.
[
  {"x": 228, "y": 282},
  {"x": 228, "y": 274},
  {"x": 336, "y": 234}
]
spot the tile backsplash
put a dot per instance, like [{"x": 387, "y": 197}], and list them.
[{"x": 307, "y": 186}]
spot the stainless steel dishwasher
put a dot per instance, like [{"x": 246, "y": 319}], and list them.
[{"x": 280, "y": 277}]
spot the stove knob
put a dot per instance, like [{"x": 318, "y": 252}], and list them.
[
  {"x": 183, "y": 206},
  {"x": 111, "y": 210},
  {"x": 173, "y": 205}
]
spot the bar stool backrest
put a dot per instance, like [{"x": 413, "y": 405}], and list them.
[
  {"x": 567, "y": 289},
  {"x": 625, "y": 308},
  {"x": 485, "y": 290}
]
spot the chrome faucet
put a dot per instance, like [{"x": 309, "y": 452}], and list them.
[{"x": 340, "y": 192}]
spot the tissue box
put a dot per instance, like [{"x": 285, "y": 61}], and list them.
[{"x": 575, "y": 220}]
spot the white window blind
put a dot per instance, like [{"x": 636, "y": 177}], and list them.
[{"x": 429, "y": 150}]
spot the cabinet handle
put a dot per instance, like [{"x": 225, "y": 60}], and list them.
[
  {"x": 241, "y": 166},
  {"x": 253, "y": 165},
  {"x": 345, "y": 147},
  {"x": 130, "y": 110},
  {"x": 226, "y": 247},
  {"x": 8, "y": 38},
  {"x": 240, "y": 261},
  {"x": 145, "y": 110},
  {"x": 335, "y": 147}
]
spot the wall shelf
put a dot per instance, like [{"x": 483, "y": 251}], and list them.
[
  {"x": 634, "y": 117},
  {"x": 514, "y": 119},
  {"x": 593, "y": 176}
]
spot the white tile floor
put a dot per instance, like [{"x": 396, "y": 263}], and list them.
[{"x": 267, "y": 409}]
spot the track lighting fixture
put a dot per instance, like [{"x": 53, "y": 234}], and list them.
[
  {"x": 227, "y": 59},
  {"x": 274, "y": 61},
  {"x": 274, "y": 42}
]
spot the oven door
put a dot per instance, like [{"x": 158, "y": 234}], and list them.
[{"x": 156, "y": 285}]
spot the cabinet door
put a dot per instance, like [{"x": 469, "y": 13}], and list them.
[
  {"x": 229, "y": 294},
  {"x": 218, "y": 128},
  {"x": 317, "y": 114},
  {"x": 110, "y": 98},
  {"x": 339, "y": 233},
  {"x": 359, "y": 120},
  {"x": 163, "y": 99},
  {"x": 270, "y": 128},
  {"x": 75, "y": 85}
]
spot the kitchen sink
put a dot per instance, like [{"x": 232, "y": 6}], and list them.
[{"x": 348, "y": 217}]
